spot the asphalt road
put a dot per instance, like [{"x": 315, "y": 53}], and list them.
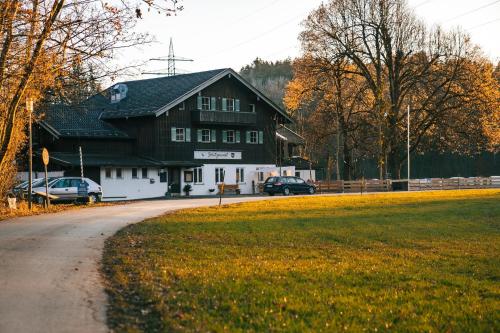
[{"x": 49, "y": 264}]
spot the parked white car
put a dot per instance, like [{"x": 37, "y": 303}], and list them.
[{"x": 66, "y": 189}]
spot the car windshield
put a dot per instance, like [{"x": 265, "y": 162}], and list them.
[{"x": 41, "y": 182}]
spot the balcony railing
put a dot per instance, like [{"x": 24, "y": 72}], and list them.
[{"x": 224, "y": 117}]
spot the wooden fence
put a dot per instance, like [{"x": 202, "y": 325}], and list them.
[
  {"x": 359, "y": 186},
  {"x": 453, "y": 183}
]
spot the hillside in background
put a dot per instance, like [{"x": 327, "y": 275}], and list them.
[{"x": 269, "y": 77}]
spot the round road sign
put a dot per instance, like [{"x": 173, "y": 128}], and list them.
[{"x": 45, "y": 156}]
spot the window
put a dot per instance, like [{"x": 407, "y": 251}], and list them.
[
  {"x": 119, "y": 173},
  {"x": 252, "y": 137},
  {"x": 144, "y": 172},
  {"x": 134, "y": 173},
  {"x": 260, "y": 176},
  {"x": 107, "y": 173},
  {"x": 299, "y": 180},
  {"x": 198, "y": 175},
  {"x": 204, "y": 135},
  {"x": 181, "y": 134},
  {"x": 230, "y": 104},
  {"x": 205, "y": 103},
  {"x": 182, "y": 106},
  {"x": 188, "y": 176},
  {"x": 297, "y": 173},
  {"x": 240, "y": 175},
  {"x": 231, "y": 136},
  {"x": 219, "y": 175},
  {"x": 252, "y": 107}
]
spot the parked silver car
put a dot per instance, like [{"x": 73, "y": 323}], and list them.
[{"x": 66, "y": 189}]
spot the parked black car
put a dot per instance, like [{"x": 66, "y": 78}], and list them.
[{"x": 287, "y": 185}]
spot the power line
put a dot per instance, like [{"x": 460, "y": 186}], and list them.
[
  {"x": 472, "y": 11},
  {"x": 257, "y": 36},
  {"x": 483, "y": 24},
  {"x": 253, "y": 13},
  {"x": 422, "y": 3}
]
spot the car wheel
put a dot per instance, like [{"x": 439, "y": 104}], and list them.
[
  {"x": 286, "y": 191},
  {"x": 311, "y": 190},
  {"x": 39, "y": 200}
]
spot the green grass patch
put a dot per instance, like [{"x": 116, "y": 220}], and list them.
[{"x": 395, "y": 262}]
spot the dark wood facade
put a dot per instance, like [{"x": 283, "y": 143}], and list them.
[{"x": 152, "y": 134}]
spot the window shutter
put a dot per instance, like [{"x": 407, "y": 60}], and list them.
[
  {"x": 224, "y": 136},
  {"x": 199, "y": 102},
  {"x": 199, "y": 135},
  {"x": 173, "y": 133},
  {"x": 261, "y": 137},
  {"x": 213, "y": 136},
  {"x": 248, "y": 137},
  {"x": 188, "y": 135},
  {"x": 224, "y": 104},
  {"x": 237, "y": 134},
  {"x": 213, "y": 103},
  {"x": 237, "y": 105}
]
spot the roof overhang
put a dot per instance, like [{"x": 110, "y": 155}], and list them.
[{"x": 216, "y": 78}]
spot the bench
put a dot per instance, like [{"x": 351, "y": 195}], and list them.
[{"x": 225, "y": 188}]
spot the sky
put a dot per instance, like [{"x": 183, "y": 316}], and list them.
[{"x": 232, "y": 33}]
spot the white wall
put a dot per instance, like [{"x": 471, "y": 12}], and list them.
[
  {"x": 128, "y": 188},
  {"x": 251, "y": 174},
  {"x": 306, "y": 175}
]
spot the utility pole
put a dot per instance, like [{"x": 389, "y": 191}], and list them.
[
  {"x": 29, "y": 108},
  {"x": 408, "y": 143}
]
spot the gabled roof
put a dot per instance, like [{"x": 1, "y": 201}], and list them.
[
  {"x": 153, "y": 97},
  {"x": 76, "y": 121}
]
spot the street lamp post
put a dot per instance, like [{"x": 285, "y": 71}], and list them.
[
  {"x": 29, "y": 108},
  {"x": 408, "y": 143}
]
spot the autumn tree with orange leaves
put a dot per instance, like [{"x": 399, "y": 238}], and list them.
[
  {"x": 441, "y": 75},
  {"x": 42, "y": 40}
]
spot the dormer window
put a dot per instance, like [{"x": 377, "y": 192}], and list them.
[{"x": 118, "y": 92}]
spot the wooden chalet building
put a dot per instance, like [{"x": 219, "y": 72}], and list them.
[{"x": 147, "y": 138}]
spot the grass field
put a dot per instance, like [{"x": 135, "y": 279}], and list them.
[{"x": 392, "y": 262}]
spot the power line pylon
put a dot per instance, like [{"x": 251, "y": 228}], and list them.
[{"x": 170, "y": 59}]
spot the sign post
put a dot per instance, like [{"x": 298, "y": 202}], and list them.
[
  {"x": 45, "y": 160},
  {"x": 29, "y": 108}
]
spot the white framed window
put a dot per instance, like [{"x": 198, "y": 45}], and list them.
[
  {"x": 198, "y": 175},
  {"x": 134, "y": 173},
  {"x": 231, "y": 136},
  {"x": 240, "y": 175},
  {"x": 252, "y": 107},
  {"x": 205, "y": 103},
  {"x": 204, "y": 135},
  {"x": 260, "y": 176},
  {"x": 219, "y": 175},
  {"x": 119, "y": 173},
  {"x": 108, "y": 173},
  {"x": 230, "y": 104},
  {"x": 144, "y": 173},
  {"x": 180, "y": 134},
  {"x": 253, "y": 137},
  {"x": 182, "y": 106}
]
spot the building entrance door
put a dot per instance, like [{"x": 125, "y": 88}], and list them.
[{"x": 174, "y": 180}]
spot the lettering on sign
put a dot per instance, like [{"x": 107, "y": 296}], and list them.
[{"x": 217, "y": 155}]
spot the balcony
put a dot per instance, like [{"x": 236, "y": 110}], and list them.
[{"x": 224, "y": 117}]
